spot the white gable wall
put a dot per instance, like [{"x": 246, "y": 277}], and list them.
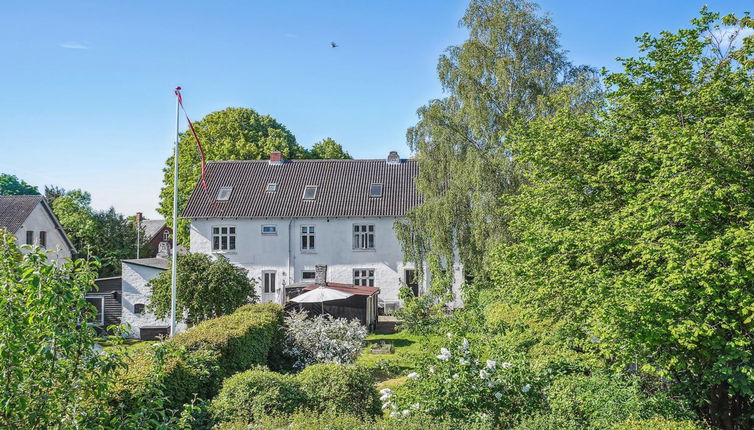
[
  {"x": 334, "y": 247},
  {"x": 135, "y": 290},
  {"x": 39, "y": 220}
]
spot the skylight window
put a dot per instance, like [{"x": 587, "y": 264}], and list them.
[
  {"x": 272, "y": 187},
  {"x": 375, "y": 190},
  {"x": 224, "y": 193},
  {"x": 310, "y": 192}
]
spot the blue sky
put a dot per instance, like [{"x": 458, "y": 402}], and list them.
[{"x": 86, "y": 86}]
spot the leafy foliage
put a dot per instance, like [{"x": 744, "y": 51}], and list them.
[
  {"x": 322, "y": 339},
  {"x": 52, "y": 375},
  {"x": 249, "y": 396},
  {"x": 206, "y": 288},
  {"x": 10, "y": 185},
  {"x": 345, "y": 389},
  {"x": 633, "y": 232},
  {"x": 106, "y": 236},
  {"x": 328, "y": 149},
  {"x": 493, "y": 81}
]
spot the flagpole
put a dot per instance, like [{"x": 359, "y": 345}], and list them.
[{"x": 174, "y": 264}]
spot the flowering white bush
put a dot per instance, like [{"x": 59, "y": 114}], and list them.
[
  {"x": 456, "y": 382},
  {"x": 322, "y": 339}
]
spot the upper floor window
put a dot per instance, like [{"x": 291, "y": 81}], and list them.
[
  {"x": 166, "y": 235},
  {"x": 307, "y": 274},
  {"x": 223, "y": 238},
  {"x": 310, "y": 192},
  {"x": 363, "y": 236},
  {"x": 43, "y": 239},
  {"x": 269, "y": 230},
  {"x": 224, "y": 193},
  {"x": 29, "y": 237},
  {"x": 272, "y": 187},
  {"x": 363, "y": 277},
  {"x": 375, "y": 190},
  {"x": 307, "y": 237}
]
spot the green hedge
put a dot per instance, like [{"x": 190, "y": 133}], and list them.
[
  {"x": 250, "y": 395},
  {"x": 204, "y": 355},
  {"x": 321, "y": 388},
  {"x": 243, "y": 339},
  {"x": 346, "y": 389}
]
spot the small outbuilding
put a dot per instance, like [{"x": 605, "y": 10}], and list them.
[{"x": 360, "y": 303}]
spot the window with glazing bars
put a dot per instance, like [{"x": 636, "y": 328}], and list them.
[
  {"x": 307, "y": 237},
  {"x": 363, "y": 236},
  {"x": 223, "y": 238},
  {"x": 363, "y": 277}
]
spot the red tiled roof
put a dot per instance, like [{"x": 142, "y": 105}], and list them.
[
  {"x": 343, "y": 189},
  {"x": 347, "y": 288}
]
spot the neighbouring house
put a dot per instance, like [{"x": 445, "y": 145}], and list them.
[
  {"x": 31, "y": 220},
  {"x": 136, "y": 274},
  {"x": 155, "y": 232},
  {"x": 279, "y": 218},
  {"x": 107, "y": 300},
  {"x": 362, "y": 303}
]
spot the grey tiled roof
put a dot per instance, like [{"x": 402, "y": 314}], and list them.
[
  {"x": 343, "y": 189},
  {"x": 152, "y": 227},
  {"x": 15, "y": 209},
  {"x": 156, "y": 263}
]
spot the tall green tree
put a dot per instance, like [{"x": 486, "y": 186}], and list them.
[
  {"x": 328, "y": 149},
  {"x": 53, "y": 377},
  {"x": 206, "y": 288},
  {"x": 634, "y": 229},
  {"x": 106, "y": 236},
  {"x": 10, "y": 185},
  {"x": 494, "y": 81},
  {"x": 229, "y": 134}
]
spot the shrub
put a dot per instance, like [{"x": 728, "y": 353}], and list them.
[
  {"x": 255, "y": 393},
  {"x": 241, "y": 340},
  {"x": 322, "y": 339},
  {"x": 458, "y": 384},
  {"x": 167, "y": 372},
  {"x": 658, "y": 423},
  {"x": 346, "y": 389}
]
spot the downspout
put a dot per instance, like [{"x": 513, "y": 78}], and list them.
[{"x": 290, "y": 257}]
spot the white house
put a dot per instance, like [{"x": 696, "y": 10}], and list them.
[
  {"x": 279, "y": 218},
  {"x": 31, "y": 221}
]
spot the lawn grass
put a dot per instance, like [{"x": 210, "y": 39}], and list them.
[{"x": 390, "y": 369}]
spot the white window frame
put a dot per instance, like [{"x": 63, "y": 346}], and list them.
[
  {"x": 166, "y": 235},
  {"x": 306, "y": 188},
  {"x": 42, "y": 235},
  {"x": 308, "y": 238},
  {"x": 29, "y": 237},
  {"x": 273, "y": 232},
  {"x": 102, "y": 308},
  {"x": 274, "y": 281},
  {"x": 223, "y": 194},
  {"x": 271, "y": 187},
  {"x": 360, "y": 234},
  {"x": 371, "y": 186},
  {"x": 363, "y": 279},
  {"x": 227, "y": 235},
  {"x": 314, "y": 275}
]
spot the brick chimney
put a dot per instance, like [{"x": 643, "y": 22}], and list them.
[
  {"x": 320, "y": 275},
  {"x": 276, "y": 157}
]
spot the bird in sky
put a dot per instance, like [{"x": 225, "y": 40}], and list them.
[{"x": 333, "y": 45}]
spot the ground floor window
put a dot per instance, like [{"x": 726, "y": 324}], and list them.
[
  {"x": 409, "y": 277},
  {"x": 99, "y": 303},
  {"x": 268, "y": 282},
  {"x": 307, "y": 274},
  {"x": 363, "y": 277}
]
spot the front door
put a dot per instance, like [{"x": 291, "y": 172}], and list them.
[{"x": 268, "y": 286}]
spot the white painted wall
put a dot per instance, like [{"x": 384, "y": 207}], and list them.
[
  {"x": 135, "y": 290},
  {"x": 334, "y": 247},
  {"x": 39, "y": 220}
]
